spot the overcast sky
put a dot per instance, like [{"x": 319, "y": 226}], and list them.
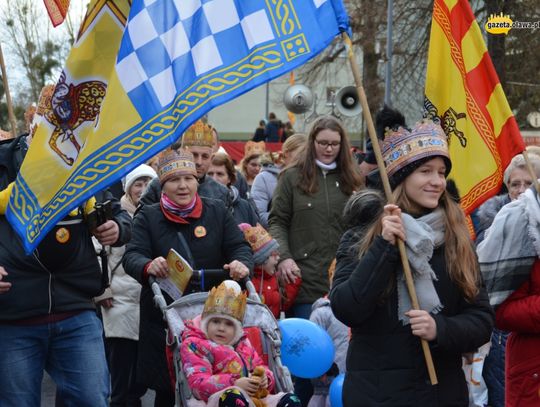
[{"x": 15, "y": 73}]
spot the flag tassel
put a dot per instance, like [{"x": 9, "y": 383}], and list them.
[{"x": 388, "y": 192}]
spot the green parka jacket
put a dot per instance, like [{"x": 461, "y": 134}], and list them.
[{"x": 308, "y": 228}]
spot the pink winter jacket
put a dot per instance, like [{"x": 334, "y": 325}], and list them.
[{"x": 210, "y": 367}]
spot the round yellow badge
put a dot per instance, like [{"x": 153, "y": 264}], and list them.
[
  {"x": 62, "y": 235},
  {"x": 200, "y": 231}
]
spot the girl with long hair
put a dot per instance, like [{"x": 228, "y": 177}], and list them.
[
  {"x": 385, "y": 365},
  {"x": 306, "y": 214}
]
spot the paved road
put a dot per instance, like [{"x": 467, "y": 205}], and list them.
[{"x": 48, "y": 390}]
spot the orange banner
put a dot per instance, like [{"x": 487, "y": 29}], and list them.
[{"x": 57, "y": 10}]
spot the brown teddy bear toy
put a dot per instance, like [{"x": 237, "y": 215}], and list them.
[{"x": 261, "y": 393}]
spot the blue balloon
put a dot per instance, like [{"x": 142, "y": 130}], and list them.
[
  {"x": 336, "y": 391},
  {"x": 306, "y": 349}
]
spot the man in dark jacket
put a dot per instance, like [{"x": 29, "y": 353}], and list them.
[
  {"x": 273, "y": 129},
  {"x": 47, "y": 315},
  {"x": 199, "y": 140}
]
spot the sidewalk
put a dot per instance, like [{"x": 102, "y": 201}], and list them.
[{"x": 48, "y": 390}]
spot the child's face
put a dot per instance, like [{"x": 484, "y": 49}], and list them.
[
  {"x": 221, "y": 330},
  {"x": 270, "y": 264}
]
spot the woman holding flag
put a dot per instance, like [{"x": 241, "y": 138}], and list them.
[{"x": 385, "y": 365}]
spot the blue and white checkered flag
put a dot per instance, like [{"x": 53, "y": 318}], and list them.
[
  {"x": 197, "y": 54},
  {"x": 131, "y": 87}
]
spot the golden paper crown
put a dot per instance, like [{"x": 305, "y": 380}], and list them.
[
  {"x": 224, "y": 301},
  {"x": 254, "y": 147},
  {"x": 198, "y": 135},
  {"x": 29, "y": 115},
  {"x": 262, "y": 244},
  {"x": 45, "y": 99},
  {"x": 257, "y": 237},
  {"x": 5, "y": 135},
  {"x": 402, "y": 147},
  {"x": 173, "y": 163}
]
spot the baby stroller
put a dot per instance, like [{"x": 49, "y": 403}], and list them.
[{"x": 260, "y": 326}]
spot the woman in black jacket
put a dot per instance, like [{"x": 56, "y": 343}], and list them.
[
  {"x": 223, "y": 171},
  {"x": 385, "y": 364},
  {"x": 202, "y": 231}
]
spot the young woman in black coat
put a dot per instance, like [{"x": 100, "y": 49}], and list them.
[
  {"x": 181, "y": 220},
  {"x": 385, "y": 363}
]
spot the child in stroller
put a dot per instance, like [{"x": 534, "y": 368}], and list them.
[{"x": 215, "y": 362}]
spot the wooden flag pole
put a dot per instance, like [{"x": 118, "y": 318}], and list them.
[
  {"x": 388, "y": 192},
  {"x": 11, "y": 115}
]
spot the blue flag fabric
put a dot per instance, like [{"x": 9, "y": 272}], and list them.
[
  {"x": 177, "y": 59},
  {"x": 195, "y": 55}
]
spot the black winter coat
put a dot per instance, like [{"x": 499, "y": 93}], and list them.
[
  {"x": 385, "y": 363},
  {"x": 56, "y": 277},
  {"x": 243, "y": 210},
  {"x": 153, "y": 236}
]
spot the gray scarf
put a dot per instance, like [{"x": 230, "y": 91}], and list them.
[{"x": 423, "y": 235}]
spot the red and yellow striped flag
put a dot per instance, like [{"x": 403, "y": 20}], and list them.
[
  {"x": 464, "y": 92},
  {"x": 57, "y": 10}
]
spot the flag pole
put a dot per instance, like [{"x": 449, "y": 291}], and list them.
[
  {"x": 11, "y": 115},
  {"x": 388, "y": 192}
]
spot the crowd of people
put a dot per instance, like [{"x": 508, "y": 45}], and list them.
[
  {"x": 273, "y": 130},
  {"x": 313, "y": 231}
]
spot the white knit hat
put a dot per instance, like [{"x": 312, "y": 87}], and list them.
[{"x": 142, "y": 170}]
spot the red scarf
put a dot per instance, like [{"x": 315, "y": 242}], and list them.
[{"x": 195, "y": 212}]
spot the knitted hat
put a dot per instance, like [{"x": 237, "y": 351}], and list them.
[
  {"x": 260, "y": 240},
  {"x": 225, "y": 301},
  {"x": 173, "y": 163},
  {"x": 141, "y": 171},
  {"x": 404, "y": 151},
  {"x": 198, "y": 135}
]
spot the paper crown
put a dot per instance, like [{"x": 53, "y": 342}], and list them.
[
  {"x": 45, "y": 99},
  {"x": 5, "y": 135},
  {"x": 402, "y": 147},
  {"x": 29, "y": 114},
  {"x": 173, "y": 163},
  {"x": 198, "y": 135},
  {"x": 223, "y": 300},
  {"x": 254, "y": 147},
  {"x": 260, "y": 241}
]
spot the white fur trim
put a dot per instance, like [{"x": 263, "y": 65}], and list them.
[{"x": 239, "y": 331}]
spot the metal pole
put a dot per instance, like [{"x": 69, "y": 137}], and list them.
[
  {"x": 389, "y": 51},
  {"x": 267, "y": 105}
]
